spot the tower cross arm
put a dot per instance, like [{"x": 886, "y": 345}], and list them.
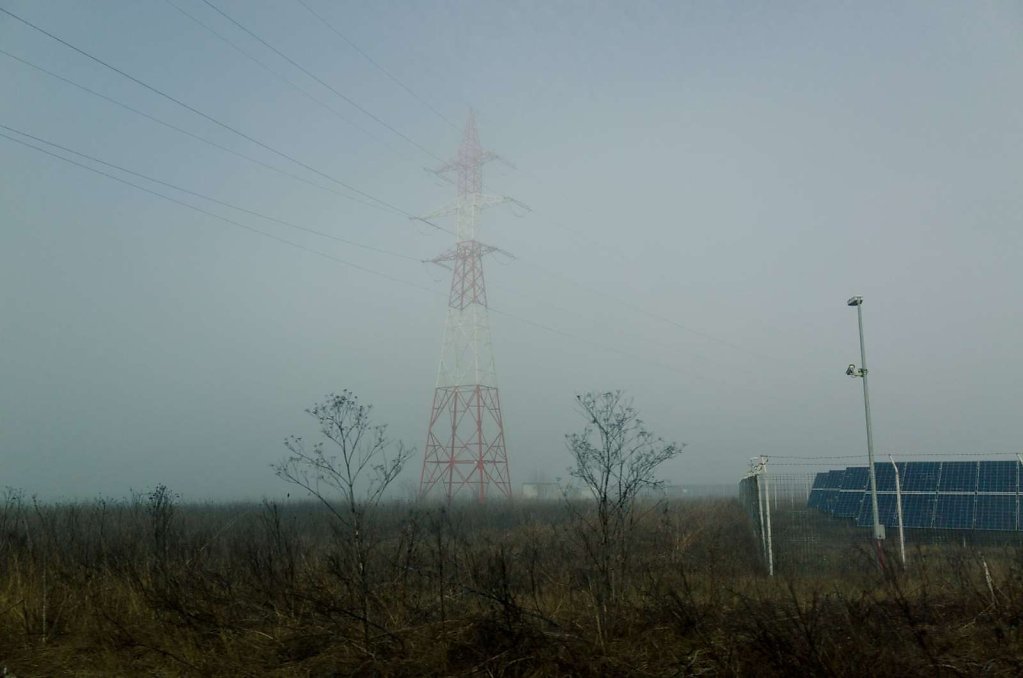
[
  {"x": 443, "y": 259},
  {"x": 495, "y": 200},
  {"x": 483, "y": 202},
  {"x": 465, "y": 249},
  {"x": 445, "y": 211},
  {"x": 489, "y": 249},
  {"x": 461, "y": 163}
]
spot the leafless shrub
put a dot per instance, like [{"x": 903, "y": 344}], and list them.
[
  {"x": 348, "y": 479},
  {"x": 616, "y": 459}
]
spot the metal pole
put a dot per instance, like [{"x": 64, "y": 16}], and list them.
[
  {"x": 760, "y": 505},
  {"x": 770, "y": 549},
  {"x": 878, "y": 529},
  {"x": 1019, "y": 457},
  {"x": 758, "y": 471},
  {"x": 898, "y": 510}
]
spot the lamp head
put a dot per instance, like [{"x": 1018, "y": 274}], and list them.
[{"x": 855, "y": 301}]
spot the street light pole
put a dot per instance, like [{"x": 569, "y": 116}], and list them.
[{"x": 862, "y": 373}]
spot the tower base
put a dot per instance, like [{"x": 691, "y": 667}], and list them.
[{"x": 465, "y": 444}]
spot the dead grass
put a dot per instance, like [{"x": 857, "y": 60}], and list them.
[{"x": 135, "y": 588}]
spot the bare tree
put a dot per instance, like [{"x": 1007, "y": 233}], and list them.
[
  {"x": 616, "y": 459},
  {"x": 349, "y": 477}
]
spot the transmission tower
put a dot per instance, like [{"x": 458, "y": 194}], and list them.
[{"x": 465, "y": 445}]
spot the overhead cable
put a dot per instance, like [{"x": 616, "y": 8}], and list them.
[
  {"x": 340, "y": 94},
  {"x": 219, "y": 217},
  {"x": 277, "y": 75},
  {"x": 209, "y": 117},
  {"x": 383, "y": 70},
  {"x": 283, "y": 222},
  {"x": 338, "y": 260},
  {"x": 214, "y": 144}
]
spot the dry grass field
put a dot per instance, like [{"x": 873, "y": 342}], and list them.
[{"x": 147, "y": 587}]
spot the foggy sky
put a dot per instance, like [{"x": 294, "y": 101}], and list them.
[{"x": 709, "y": 182}]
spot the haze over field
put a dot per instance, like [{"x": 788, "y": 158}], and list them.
[{"x": 709, "y": 184}]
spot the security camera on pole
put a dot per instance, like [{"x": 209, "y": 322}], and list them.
[{"x": 861, "y": 372}]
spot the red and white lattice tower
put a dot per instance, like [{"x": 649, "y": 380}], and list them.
[{"x": 465, "y": 447}]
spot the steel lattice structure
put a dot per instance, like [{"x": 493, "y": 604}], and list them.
[{"x": 465, "y": 443}]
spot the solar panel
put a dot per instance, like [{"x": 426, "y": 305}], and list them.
[
  {"x": 885, "y": 510},
  {"x": 829, "y": 493},
  {"x": 848, "y": 504},
  {"x": 996, "y": 512},
  {"x": 917, "y": 510},
  {"x": 921, "y": 476},
  {"x": 829, "y": 500},
  {"x": 817, "y": 491},
  {"x": 958, "y": 476},
  {"x": 884, "y": 475},
  {"x": 957, "y": 495},
  {"x": 954, "y": 511},
  {"x": 855, "y": 478},
  {"x": 834, "y": 478},
  {"x": 997, "y": 476}
]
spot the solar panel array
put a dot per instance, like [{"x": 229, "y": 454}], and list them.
[{"x": 959, "y": 495}]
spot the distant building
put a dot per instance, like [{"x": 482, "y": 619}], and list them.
[
  {"x": 552, "y": 491},
  {"x": 670, "y": 491}
]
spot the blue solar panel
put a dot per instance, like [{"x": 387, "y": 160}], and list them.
[
  {"x": 996, "y": 512},
  {"x": 958, "y": 476},
  {"x": 855, "y": 478},
  {"x": 997, "y": 476},
  {"x": 885, "y": 510},
  {"x": 917, "y": 510},
  {"x": 884, "y": 475},
  {"x": 954, "y": 511},
  {"x": 816, "y": 491},
  {"x": 958, "y": 495},
  {"x": 848, "y": 504},
  {"x": 829, "y": 500},
  {"x": 828, "y": 494},
  {"x": 921, "y": 476}
]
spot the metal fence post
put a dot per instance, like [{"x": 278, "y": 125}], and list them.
[{"x": 898, "y": 510}]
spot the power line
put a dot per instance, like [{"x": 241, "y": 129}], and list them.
[
  {"x": 382, "y": 202},
  {"x": 566, "y": 311},
  {"x": 228, "y": 220},
  {"x": 277, "y": 75},
  {"x": 748, "y": 386},
  {"x": 217, "y": 145},
  {"x": 656, "y": 316},
  {"x": 365, "y": 269},
  {"x": 282, "y": 240},
  {"x": 206, "y": 197},
  {"x": 383, "y": 70},
  {"x": 351, "y": 102},
  {"x": 206, "y": 116},
  {"x": 821, "y": 461},
  {"x": 181, "y": 130},
  {"x": 597, "y": 344},
  {"x": 894, "y": 454}
]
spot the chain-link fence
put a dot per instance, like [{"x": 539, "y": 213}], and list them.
[{"x": 816, "y": 514}]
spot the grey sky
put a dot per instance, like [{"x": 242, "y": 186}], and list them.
[{"x": 710, "y": 183}]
